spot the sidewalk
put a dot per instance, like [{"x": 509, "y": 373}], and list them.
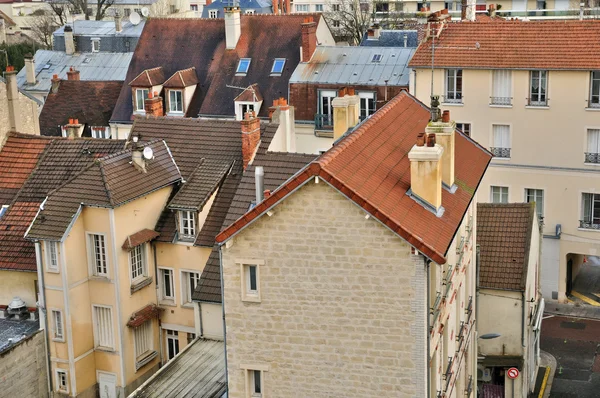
[
  {"x": 547, "y": 359},
  {"x": 573, "y": 310}
]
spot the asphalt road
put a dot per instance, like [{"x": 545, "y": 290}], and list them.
[{"x": 575, "y": 343}]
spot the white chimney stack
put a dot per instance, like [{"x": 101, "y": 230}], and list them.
[
  {"x": 233, "y": 29},
  {"x": 12, "y": 91},
  {"x": 69, "y": 41},
  {"x": 29, "y": 69},
  {"x": 259, "y": 183},
  {"x": 426, "y": 171},
  {"x": 118, "y": 23}
]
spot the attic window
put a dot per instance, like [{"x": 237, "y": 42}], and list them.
[
  {"x": 47, "y": 66},
  {"x": 243, "y": 66},
  {"x": 278, "y": 65},
  {"x": 95, "y": 45},
  {"x": 376, "y": 58},
  {"x": 3, "y": 210}
]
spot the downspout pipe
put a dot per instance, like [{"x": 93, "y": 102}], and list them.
[
  {"x": 523, "y": 319},
  {"x": 224, "y": 324},
  {"x": 42, "y": 307},
  {"x": 160, "y": 337},
  {"x": 428, "y": 267}
]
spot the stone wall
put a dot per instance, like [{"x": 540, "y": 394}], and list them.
[
  {"x": 23, "y": 371},
  {"x": 29, "y": 114},
  {"x": 342, "y": 303}
]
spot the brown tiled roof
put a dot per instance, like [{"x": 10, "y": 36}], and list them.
[
  {"x": 278, "y": 168},
  {"x": 138, "y": 318},
  {"x": 182, "y": 78},
  {"x": 92, "y": 102},
  {"x": 176, "y": 44},
  {"x": 550, "y": 44},
  {"x": 250, "y": 94},
  {"x": 371, "y": 167},
  {"x": 143, "y": 236},
  {"x": 504, "y": 236},
  {"x": 61, "y": 160},
  {"x": 148, "y": 77},
  {"x": 18, "y": 158},
  {"x": 109, "y": 182}
]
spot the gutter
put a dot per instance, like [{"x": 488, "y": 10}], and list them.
[
  {"x": 153, "y": 246},
  {"x": 224, "y": 325},
  {"x": 523, "y": 318},
  {"x": 427, "y": 265},
  {"x": 42, "y": 307}
]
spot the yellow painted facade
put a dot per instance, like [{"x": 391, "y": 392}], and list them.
[{"x": 18, "y": 284}]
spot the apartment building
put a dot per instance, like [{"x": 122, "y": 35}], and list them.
[
  {"x": 360, "y": 267},
  {"x": 535, "y": 107}
]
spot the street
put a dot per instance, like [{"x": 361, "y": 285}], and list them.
[{"x": 575, "y": 343}]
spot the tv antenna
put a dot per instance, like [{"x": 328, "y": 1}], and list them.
[{"x": 250, "y": 87}]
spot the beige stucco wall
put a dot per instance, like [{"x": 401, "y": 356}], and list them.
[
  {"x": 308, "y": 142},
  {"x": 342, "y": 300},
  {"x": 28, "y": 113},
  {"x": 18, "y": 284},
  {"x": 212, "y": 321}
]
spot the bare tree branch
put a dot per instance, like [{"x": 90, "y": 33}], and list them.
[{"x": 43, "y": 24}]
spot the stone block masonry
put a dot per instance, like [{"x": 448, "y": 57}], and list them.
[
  {"x": 23, "y": 369},
  {"x": 342, "y": 310}
]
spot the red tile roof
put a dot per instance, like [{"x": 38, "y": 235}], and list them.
[
  {"x": 555, "y": 44},
  {"x": 138, "y": 318},
  {"x": 149, "y": 77},
  {"x": 15, "y": 252},
  {"x": 182, "y": 78},
  {"x": 143, "y": 236},
  {"x": 371, "y": 167}
]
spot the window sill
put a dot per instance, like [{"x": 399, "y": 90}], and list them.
[
  {"x": 168, "y": 303},
  {"x": 588, "y": 229},
  {"x": 593, "y": 109},
  {"x": 240, "y": 74},
  {"x": 251, "y": 299},
  {"x": 501, "y": 159},
  {"x": 105, "y": 349},
  {"x": 188, "y": 305},
  {"x": 144, "y": 360},
  {"x": 500, "y": 106},
  {"x": 591, "y": 164},
  {"x": 99, "y": 278},
  {"x": 175, "y": 114},
  {"x": 453, "y": 103},
  {"x": 537, "y": 107},
  {"x": 53, "y": 271},
  {"x": 135, "y": 286},
  {"x": 58, "y": 340}
]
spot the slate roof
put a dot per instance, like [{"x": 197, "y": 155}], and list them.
[
  {"x": 16, "y": 330},
  {"x": 177, "y": 44},
  {"x": 209, "y": 155},
  {"x": 278, "y": 168},
  {"x": 515, "y": 44},
  {"x": 370, "y": 165},
  {"x": 18, "y": 158},
  {"x": 102, "y": 28},
  {"x": 60, "y": 161},
  {"x": 504, "y": 235},
  {"x": 198, "y": 371},
  {"x": 354, "y": 66},
  {"x": 92, "y": 102},
  {"x": 109, "y": 182},
  {"x": 259, "y": 6},
  {"x": 393, "y": 38}
]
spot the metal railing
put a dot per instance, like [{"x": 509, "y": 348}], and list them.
[
  {"x": 588, "y": 225},
  {"x": 469, "y": 309},
  {"x": 592, "y": 157},
  {"x": 500, "y": 100},
  {"x": 540, "y": 103},
  {"x": 500, "y": 152},
  {"x": 323, "y": 122},
  {"x": 469, "y": 388},
  {"x": 454, "y": 99},
  {"x": 448, "y": 372},
  {"x": 461, "y": 334}
]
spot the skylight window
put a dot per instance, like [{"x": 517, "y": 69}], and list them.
[
  {"x": 278, "y": 65},
  {"x": 376, "y": 58},
  {"x": 243, "y": 66},
  {"x": 3, "y": 210}
]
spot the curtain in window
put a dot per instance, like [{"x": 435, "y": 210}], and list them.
[
  {"x": 501, "y": 87},
  {"x": 593, "y": 141},
  {"x": 501, "y": 136}
]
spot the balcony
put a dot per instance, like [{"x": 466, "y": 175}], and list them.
[
  {"x": 592, "y": 157},
  {"x": 502, "y": 101},
  {"x": 452, "y": 99},
  {"x": 500, "y": 152},
  {"x": 588, "y": 225},
  {"x": 538, "y": 103},
  {"x": 323, "y": 125}
]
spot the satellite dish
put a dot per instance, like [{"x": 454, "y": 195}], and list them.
[
  {"x": 135, "y": 18},
  {"x": 148, "y": 153},
  {"x": 145, "y": 12}
]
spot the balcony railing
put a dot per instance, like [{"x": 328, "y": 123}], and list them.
[
  {"x": 323, "y": 122},
  {"x": 588, "y": 225},
  {"x": 469, "y": 388},
  {"x": 469, "y": 309},
  {"x": 461, "y": 334},
  {"x": 500, "y": 152},
  {"x": 448, "y": 372},
  {"x": 452, "y": 99},
  {"x": 540, "y": 103},
  {"x": 592, "y": 157},
  {"x": 500, "y": 100}
]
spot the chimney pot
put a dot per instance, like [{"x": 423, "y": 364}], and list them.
[
  {"x": 73, "y": 74},
  {"x": 267, "y": 193},
  {"x": 421, "y": 139},
  {"x": 446, "y": 116},
  {"x": 431, "y": 140},
  {"x": 12, "y": 94}
]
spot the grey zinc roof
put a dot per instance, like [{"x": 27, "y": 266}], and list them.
[
  {"x": 91, "y": 66},
  {"x": 16, "y": 330},
  {"x": 102, "y": 28},
  {"x": 198, "y": 371},
  {"x": 355, "y": 66},
  {"x": 393, "y": 38}
]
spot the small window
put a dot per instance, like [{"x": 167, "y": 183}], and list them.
[
  {"x": 376, "y": 58},
  {"x": 142, "y": 336},
  {"x": 57, "y": 329},
  {"x": 189, "y": 281},
  {"x": 499, "y": 194},
  {"x": 62, "y": 384},
  {"x": 213, "y": 14},
  {"x": 98, "y": 254},
  {"x": 453, "y": 86},
  {"x": 590, "y": 211},
  {"x": 187, "y": 225},
  {"x": 465, "y": 128},
  {"x": 193, "y": 7},
  {"x": 336, "y": 23},
  {"x": 175, "y": 101},
  {"x": 245, "y": 108},
  {"x": 319, "y": 7},
  {"x": 255, "y": 383},
  {"x": 249, "y": 12},
  {"x": 243, "y": 66},
  {"x": 140, "y": 97},
  {"x": 167, "y": 285},
  {"x": 595, "y": 89},
  {"x": 501, "y": 141},
  {"x": 51, "y": 256},
  {"x": 95, "y": 45},
  {"x": 335, "y": 7},
  {"x": 172, "y": 343},
  {"x": 191, "y": 337},
  {"x": 537, "y": 196},
  {"x": 100, "y": 132},
  {"x": 538, "y": 88},
  {"x": 250, "y": 282},
  {"x": 137, "y": 260},
  {"x": 103, "y": 327},
  {"x": 138, "y": 10},
  {"x": 302, "y": 8},
  {"x": 3, "y": 210},
  {"x": 593, "y": 146},
  {"x": 382, "y": 7},
  {"x": 127, "y": 12},
  {"x": 367, "y": 104},
  {"x": 501, "y": 87},
  {"x": 278, "y": 65}
]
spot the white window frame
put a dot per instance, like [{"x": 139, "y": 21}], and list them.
[
  {"x": 56, "y": 336},
  {"x": 186, "y": 290},
  {"x": 172, "y": 335},
  {"x": 191, "y": 230},
  {"x": 594, "y": 101},
  {"x": 93, "y": 266},
  {"x": 501, "y": 87},
  {"x": 539, "y": 210},
  {"x": 95, "y": 45},
  {"x": 103, "y": 333},
  {"x": 139, "y": 358},
  {"x": 275, "y": 61},
  {"x": 501, "y": 139},
  {"x": 325, "y": 97},
  {"x": 453, "y": 95},
  {"x": 246, "y": 293},
  {"x": 318, "y": 7},
  {"x": 302, "y": 7},
  {"x": 213, "y": 14},
  {"x": 144, "y": 92},
  {"x": 364, "y": 97},
  {"x": 501, "y": 193},
  {"x": 542, "y": 76},
  {"x": 461, "y": 127},
  {"x": 249, "y": 12},
  {"x": 59, "y": 387},
  {"x": 592, "y": 151},
  {"x": 174, "y": 100},
  {"x": 161, "y": 284},
  {"x": 249, "y": 371},
  {"x": 141, "y": 271},
  {"x": 243, "y": 72},
  {"x": 3, "y": 210},
  {"x": 48, "y": 247},
  {"x": 100, "y": 132}
]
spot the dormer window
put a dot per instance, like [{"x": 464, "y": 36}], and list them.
[
  {"x": 95, "y": 45},
  {"x": 249, "y": 12},
  {"x": 213, "y": 14},
  {"x": 175, "y": 101},
  {"x": 243, "y": 66},
  {"x": 277, "y": 68},
  {"x": 140, "y": 96},
  {"x": 187, "y": 225},
  {"x": 100, "y": 132}
]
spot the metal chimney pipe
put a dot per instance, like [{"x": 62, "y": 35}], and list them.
[{"x": 259, "y": 182}]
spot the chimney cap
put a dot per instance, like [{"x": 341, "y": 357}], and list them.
[
  {"x": 68, "y": 28},
  {"x": 28, "y": 56}
]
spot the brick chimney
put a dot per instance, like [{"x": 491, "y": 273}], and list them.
[
  {"x": 12, "y": 92},
  {"x": 55, "y": 84},
  {"x": 73, "y": 129},
  {"x": 30, "y": 69},
  {"x": 72, "y": 74},
  {"x": 250, "y": 137},
  {"x": 309, "y": 38},
  {"x": 153, "y": 105},
  {"x": 426, "y": 171},
  {"x": 276, "y": 7},
  {"x": 444, "y": 131},
  {"x": 233, "y": 29},
  {"x": 69, "y": 41}
]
